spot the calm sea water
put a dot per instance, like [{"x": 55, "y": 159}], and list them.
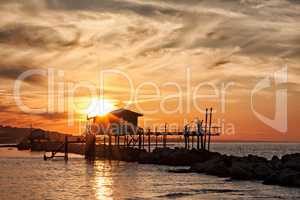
[{"x": 24, "y": 175}]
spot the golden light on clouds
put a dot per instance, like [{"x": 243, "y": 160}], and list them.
[{"x": 220, "y": 42}]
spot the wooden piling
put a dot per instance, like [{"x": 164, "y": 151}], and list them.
[
  {"x": 140, "y": 140},
  {"x": 149, "y": 140},
  {"x": 66, "y": 148},
  {"x": 192, "y": 140},
  {"x": 143, "y": 143},
  {"x": 198, "y": 139},
  {"x": 118, "y": 140},
  {"x": 90, "y": 146},
  {"x": 185, "y": 134},
  {"x": 156, "y": 135},
  {"x": 205, "y": 128},
  {"x": 109, "y": 140},
  {"x": 165, "y": 137},
  {"x": 209, "y": 129}
]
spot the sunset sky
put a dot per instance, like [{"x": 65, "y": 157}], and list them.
[{"x": 234, "y": 43}]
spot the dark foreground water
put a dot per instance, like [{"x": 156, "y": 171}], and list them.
[{"x": 24, "y": 175}]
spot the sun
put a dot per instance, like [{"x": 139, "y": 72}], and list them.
[{"x": 100, "y": 107}]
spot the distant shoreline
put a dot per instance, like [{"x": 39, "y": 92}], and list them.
[{"x": 8, "y": 145}]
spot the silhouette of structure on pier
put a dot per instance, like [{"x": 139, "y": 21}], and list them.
[{"x": 119, "y": 129}]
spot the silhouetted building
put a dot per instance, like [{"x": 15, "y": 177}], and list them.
[{"x": 120, "y": 121}]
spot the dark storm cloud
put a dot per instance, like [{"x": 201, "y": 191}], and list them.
[
  {"x": 294, "y": 1},
  {"x": 237, "y": 24},
  {"x": 13, "y": 72},
  {"x": 37, "y": 36},
  {"x": 110, "y": 6}
]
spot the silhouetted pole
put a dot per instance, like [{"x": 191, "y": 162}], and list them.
[
  {"x": 156, "y": 135},
  {"x": 205, "y": 129},
  {"x": 140, "y": 139},
  {"x": 192, "y": 140},
  {"x": 143, "y": 140},
  {"x": 124, "y": 140},
  {"x": 198, "y": 136},
  {"x": 189, "y": 134},
  {"x": 165, "y": 137},
  {"x": 209, "y": 128},
  {"x": 199, "y": 133},
  {"x": 109, "y": 139},
  {"x": 66, "y": 148},
  {"x": 185, "y": 133},
  {"x": 118, "y": 140},
  {"x": 149, "y": 140},
  {"x": 90, "y": 146}
]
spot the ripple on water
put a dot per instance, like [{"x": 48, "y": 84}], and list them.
[{"x": 78, "y": 179}]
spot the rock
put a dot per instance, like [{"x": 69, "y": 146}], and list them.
[
  {"x": 241, "y": 168},
  {"x": 176, "y": 157},
  {"x": 255, "y": 159},
  {"x": 179, "y": 171},
  {"x": 241, "y": 171},
  {"x": 250, "y": 167},
  {"x": 285, "y": 177},
  {"x": 291, "y": 161},
  {"x": 147, "y": 158},
  {"x": 216, "y": 166},
  {"x": 262, "y": 170},
  {"x": 276, "y": 163}
]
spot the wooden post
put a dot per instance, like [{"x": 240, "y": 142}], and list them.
[
  {"x": 192, "y": 140},
  {"x": 156, "y": 134},
  {"x": 200, "y": 132},
  {"x": 66, "y": 148},
  {"x": 109, "y": 139},
  {"x": 118, "y": 140},
  {"x": 185, "y": 132},
  {"x": 143, "y": 140},
  {"x": 188, "y": 139},
  {"x": 198, "y": 137},
  {"x": 165, "y": 137},
  {"x": 149, "y": 140},
  {"x": 209, "y": 128},
  {"x": 140, "y": 140},
  {"x": 90, "y": 146},
  {"x": 126, "y": 140},
  {"x": 205, "y": 128}
]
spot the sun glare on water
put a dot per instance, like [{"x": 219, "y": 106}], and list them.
[{"x": 100, "y": 107}]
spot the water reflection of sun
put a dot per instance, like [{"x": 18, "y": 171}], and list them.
[
  {"x": 103, "y": 181},
  {"x": 100, "y": 107}
]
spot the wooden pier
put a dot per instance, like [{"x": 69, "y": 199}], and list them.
[
  {"x": 147, "y": 139},
  {"x": 195, "y": 135}
]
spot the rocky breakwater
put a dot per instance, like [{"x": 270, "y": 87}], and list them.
[
  {"x": 284, "y": 171},
  {"x": 161, "y": 156},
  {"x": 176, "y": 157}
]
